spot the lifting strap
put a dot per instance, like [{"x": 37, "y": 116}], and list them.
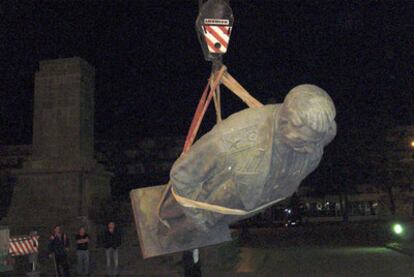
[
  {"x": 190, "y": 203},
  {"x": 217, "y": 101},
  {"x": 212, "y": 91}
]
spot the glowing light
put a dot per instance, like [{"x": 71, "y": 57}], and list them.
[
  {"x": 412, "y": 143},
  {"x": 398, "y": 229}
]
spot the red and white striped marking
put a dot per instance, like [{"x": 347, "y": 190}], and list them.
[
  {"x": 217, "y": 38},
  {"x": 23, "y": 245}
]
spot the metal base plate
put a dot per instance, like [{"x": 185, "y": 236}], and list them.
[{"x": 144, "y": 204}]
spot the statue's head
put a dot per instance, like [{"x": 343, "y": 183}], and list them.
[{"x": 307, "y": 119}]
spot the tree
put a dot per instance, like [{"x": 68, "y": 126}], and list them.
[
  {"x": 346, "y": 166},
  {"x": 393, "y": 169}
]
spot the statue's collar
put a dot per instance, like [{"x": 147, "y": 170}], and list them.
[{"x": 277, "y": 139}]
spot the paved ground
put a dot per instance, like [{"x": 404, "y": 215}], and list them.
[
  {"x": 285, "y": 261},
  {"x": 323, "y": 261},
  {"x": 288, "y": 261},
  {"x": 321, "y": 251}
]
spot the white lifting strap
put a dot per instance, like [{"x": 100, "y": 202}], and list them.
[{"x": 190, "y": 203}]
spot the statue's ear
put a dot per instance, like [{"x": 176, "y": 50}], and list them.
[{"x": 330, "y": 134}]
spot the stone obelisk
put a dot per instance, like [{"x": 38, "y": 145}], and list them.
[{"x": 62, "y": 183}]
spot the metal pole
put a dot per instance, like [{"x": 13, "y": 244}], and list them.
[
  {"x": 191, "y": 259},
  {"x": 200, "y": 4},
  {"x": 33, "y": 257},
  {"x": 191, "y": 263}
]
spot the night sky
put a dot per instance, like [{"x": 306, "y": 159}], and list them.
[{"x": 150, "y": 68}]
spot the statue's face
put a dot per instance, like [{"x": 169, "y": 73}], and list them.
[{"x": 299, "y": 137}]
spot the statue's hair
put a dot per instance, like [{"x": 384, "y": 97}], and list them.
[{"x": 313, "y": 106}]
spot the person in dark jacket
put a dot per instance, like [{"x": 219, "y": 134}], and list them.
[
  {"x": 58, "y": 247},
  {"x": 111, "y": 242},
  {"x": 82, "y": 252}
]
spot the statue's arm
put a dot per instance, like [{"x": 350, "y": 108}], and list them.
[{"x": 197, "y": 166}]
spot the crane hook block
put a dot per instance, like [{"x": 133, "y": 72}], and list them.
[{"x": 214, "y": 25}]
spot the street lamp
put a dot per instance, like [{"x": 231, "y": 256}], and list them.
[
  {"x": 398, "y": 229},
  {"x": 412, "y": 143}
]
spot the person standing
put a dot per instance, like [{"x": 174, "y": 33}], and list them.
[
  {"x": 82, "y": 252},
  {"x": 58, "y": 247},
  {"x": 112, "y": 241}
]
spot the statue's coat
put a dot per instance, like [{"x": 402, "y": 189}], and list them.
[{"x": 241, "y": 163}]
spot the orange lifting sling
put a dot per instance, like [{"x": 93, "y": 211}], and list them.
[{"x": 211, "y": 91}]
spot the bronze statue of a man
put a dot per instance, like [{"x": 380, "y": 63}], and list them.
[{"x": 251, "y": 159}]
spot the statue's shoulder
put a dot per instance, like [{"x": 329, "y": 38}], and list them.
[
  {"x": 247, "y": 118},
  {"x": 247, "y": 128},
  {"x": 244, "y": 129}
]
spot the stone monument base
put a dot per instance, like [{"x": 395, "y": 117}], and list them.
[
  {"x": 43, "y": 198},
  {"x": 144, "y": 204}
]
